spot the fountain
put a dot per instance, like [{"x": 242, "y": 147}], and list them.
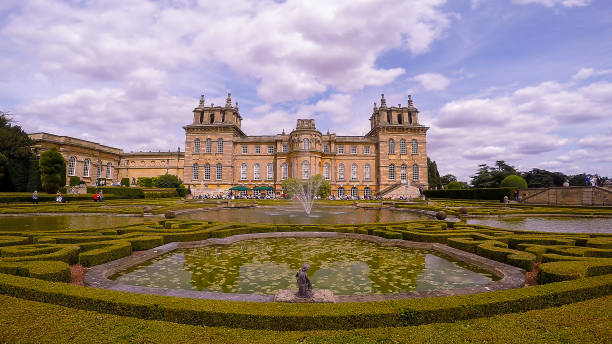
[{"x": 305, "y": 191}]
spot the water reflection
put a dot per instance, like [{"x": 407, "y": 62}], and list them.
[
  {"x": 548, "y": 224},
  {"x": 62, "y": 222}
]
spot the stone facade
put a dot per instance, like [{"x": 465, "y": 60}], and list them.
[
  {"x": 219, "y": 155},
  {"x": 390, "y": 159},
  {"x": 574, "y": 195}
]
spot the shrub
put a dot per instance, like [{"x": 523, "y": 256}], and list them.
[
  {"x": 52, "y": 170},
  {"x": 475, "y": 193},
  {"x": 146, "y": 182},
  {"x": 125, "y": 182},
  {"x": 440, "y": 215},
  {"x": 119, "y": 191},
  {"x": 514, "y": 181},
  {"x": 74, "y": 181},
  {"x": 453, "y": 185}
]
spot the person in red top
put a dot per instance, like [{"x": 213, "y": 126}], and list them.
[{"x": 96, "y": 197}]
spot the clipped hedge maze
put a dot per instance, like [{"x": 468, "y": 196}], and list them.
[{"x": 581, "y": 263}]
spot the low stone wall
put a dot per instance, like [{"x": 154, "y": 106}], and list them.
[{"x": 571, "y": 195}]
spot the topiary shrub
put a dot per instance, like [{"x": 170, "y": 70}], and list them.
[
  {"x": 514, "y": 181},
  {"x": 52, "y": 170},
  {"x": 463, "y": 211},
  {"x": 74, "y": 181},
  {"x": 453, "y": 186},
  {"x": 440, "y": 215},
  {"x": 125, "y": 182}
]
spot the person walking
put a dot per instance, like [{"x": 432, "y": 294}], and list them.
[
  {"x": 35, "y": 197},
  {"x": 100, "y": 196}
]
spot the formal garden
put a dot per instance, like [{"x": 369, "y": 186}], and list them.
[{"x": 49, "y": 270}]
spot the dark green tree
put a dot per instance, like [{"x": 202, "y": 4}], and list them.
[
  {"x": 3, "y": 167},
  {"x": 447, "y": 178},
  {"x": 538, "y": 178},
  {"x": 52, "y": 170},
  {"x": 491, "y": 177},
  {"x": 433, "y": 176},
  {"x": 578, "y": 180},
  {"x": 168, "y": 181},
  {"x": 15, "y": 145}
]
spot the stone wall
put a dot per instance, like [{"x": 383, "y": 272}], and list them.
[{"x": 573, "y": 195}]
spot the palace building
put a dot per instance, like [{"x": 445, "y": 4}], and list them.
[{"x": 390, "y": 160}]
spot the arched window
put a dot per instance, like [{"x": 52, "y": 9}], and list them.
[
  {"x": 86, "y": 167},
  {"x": 243, "y": 172},
  {"x": 354, "y": 192},
  {"x": 403, "y": 146},
  {"x": 367, "y": 192},
  {"x": 109, "y": 167},
  {"x": 415, "y": 147},
  {"x": 212, "y": 118},
  {"x": 367, "y": 174},
  {"x": 305, "y": 169},
  {"x": 196, "y": 172},
  {"x": 72, "y": 166},
  {"x": 326, "y": 171},
  {"x": 354, "y": 172},
  {"x": 391, "y": 172},
  {"x": 415, "y": 172},
  {"x": 391, "y": 146},
  {"x": 341, "y": 172},
  {"x": 284, "y": 171},
  {"x": 403, "y": 172},
  {"x": 400, "y": 119},
  {"x": 305, "y": 144},
  {"x": 256, "y": 172},
  {"x": 202, "y": 118},
  {"x": 207, "y": 171},
  {"x": 196, "y": 146},
  {"x": 388, "y": 116},
  {"x": 208, "y": 146},
  {"x": 219, "y": 171},
  {"x": 223, "y": 117},
  {"x": 220, "y": 146},
  {"x": 341, "y": 192},
  {"x": 99, "y": 175},
  {"x": 270, "y": 172}
]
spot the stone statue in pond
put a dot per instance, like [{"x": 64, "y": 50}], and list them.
[{"x": 304, "y": 285}]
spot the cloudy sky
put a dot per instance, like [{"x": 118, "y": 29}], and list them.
[{"x": 526, "y": 81}]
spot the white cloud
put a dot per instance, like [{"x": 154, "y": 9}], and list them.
[
  {"x": 586, "y": 73},
  {"x": 294, "y": 49},
  {"x": 433, "y": 81},
  {"x": 553, "y": 3}
]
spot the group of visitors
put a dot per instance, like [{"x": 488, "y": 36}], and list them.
[{"x": 98, "y": 196}]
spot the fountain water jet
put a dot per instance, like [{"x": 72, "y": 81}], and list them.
[{"x": 306, "y": 192}]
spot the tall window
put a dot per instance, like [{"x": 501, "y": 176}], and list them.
[
  {"x": 257, "y": 149},
  {"x": 341, "y": 172},
  {"x": 341, "y": 192},
  {"x": 72, "y": 166},
  {"x": 340, "y": 149},
  {"x": 354, "y": 192},
  {"x": 219, "y": 172},
  {"x": 207, "y": 171},
  {"x": 366, "y": 150},
  {"x": 270, "y": 149},
  {"x": 243, "y": 172},
  {"x": 256, "y": 172},
  {"x": 109, "y": 167},
  {"x": 285, "y": 148},
  {"x": 270, "y": 172},
  {"x": 245, "y": 149},
  {"x": 400, "y": 119},
  {"x": 99, "y": 170},
  {"x": 391, "y": 146},
  {"x": 208, "y": 148},
  {"x": 403, "y": 146},
  {"x": 305, "y": 169},
  {"x": 415, "y": 147},
  {"x": 367, "y": 174},
  {"x": 326, "y": 171},
  {"x": 404, "y": 172},
  {"x": 220, "y": 146},
  {"x": 353, "y": 149},
  {"x": 326, "y": 149},
  {"x": 415, "y": 172},
  {"x": 86, "y": 167},
  {"x": 391, "y": 172},
  {"x": 196, "y": 146},
  {"x": 354, "y": 172},
  {"x": 284, "y": 171},
  {"x": 196, "y": 172},
  {"x": 305, "y": 142},
  {"x": 367, "y": 192}
]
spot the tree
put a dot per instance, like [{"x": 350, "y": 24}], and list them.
[
  {"x": 578, "y": 180},
  {"x": 3, "y": 167},
  {"x": 453, "y": 185},
  {"x": 289, "y": 185},
  {"x": 538, "y": 178},
  {"x": 324, "y": 186},
  {"x": 15, "y": 146},
  {"x": 52, "y": 170},
  {"x": 168, "y": 181},
  {"x": 514, "y": 181},
  {"x": 433, "y": 176},
  {"x": 447, "y": 178},
  {"x": 491, "y": 177}
]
